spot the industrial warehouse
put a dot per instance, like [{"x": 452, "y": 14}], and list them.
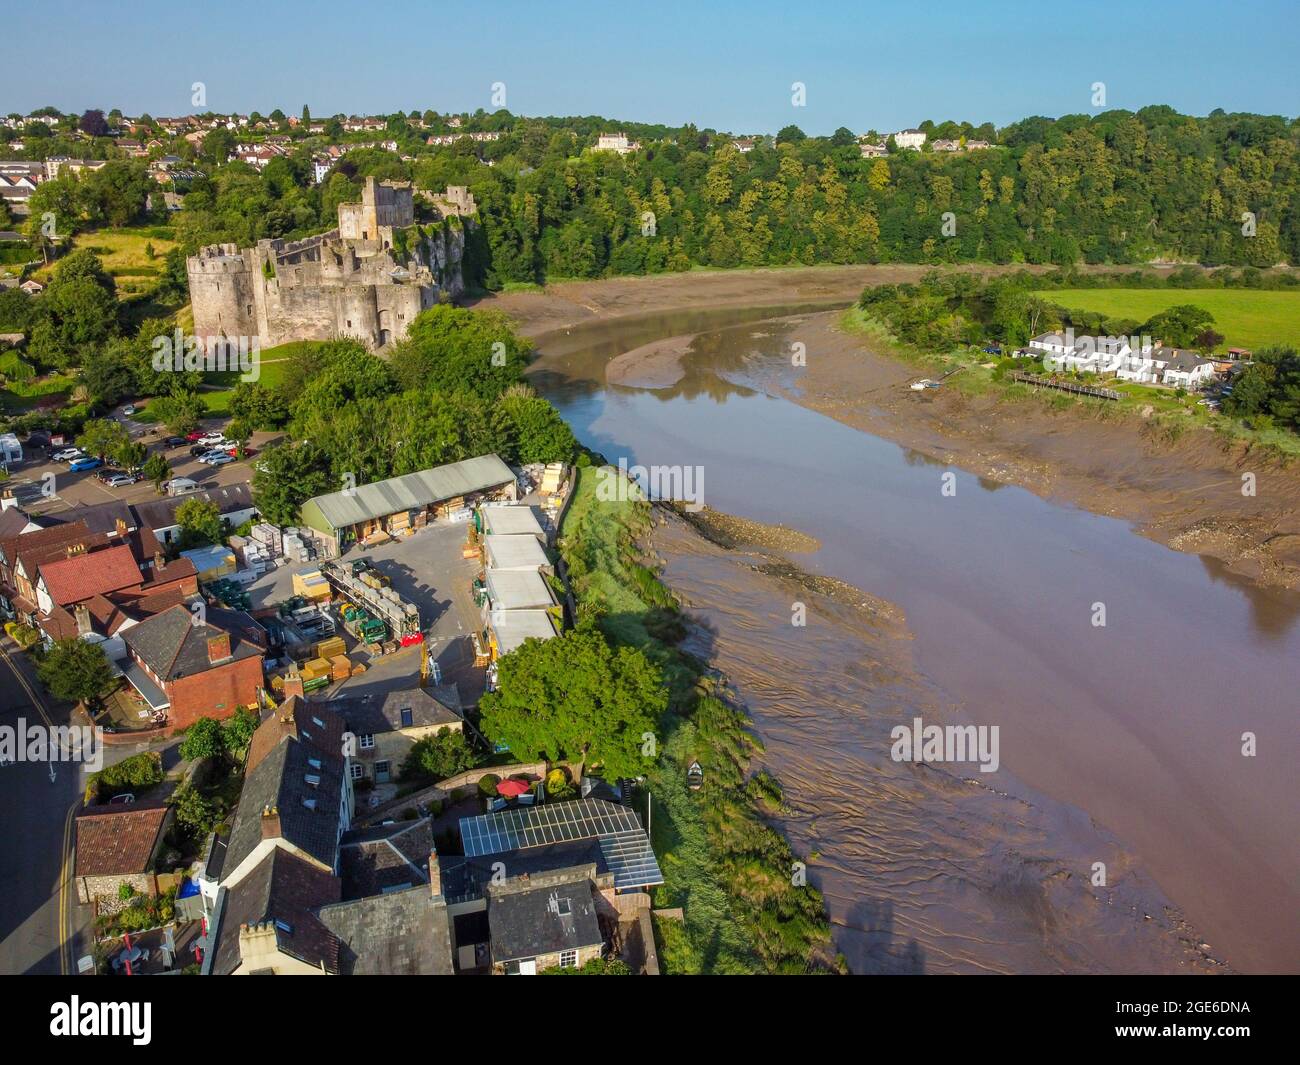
[{"x": 394, "y": 507}]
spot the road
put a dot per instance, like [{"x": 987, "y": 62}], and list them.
[{"x": 43, "y": 929}]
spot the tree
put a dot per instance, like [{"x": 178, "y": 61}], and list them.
[
  {"x": 287, "y": 477},
  {"x": 199, "y": 521},
  {"x": 1207, "y": 340},
  {"x": 438, "y": 757},
  {"x": 193, "y": 811},
  {"x": 575, "y": 696},
  {"x": 131, "y": 455},
  {"x": 257, "y": 406},
  {"x": 76, "y": 671},
  {"x": 93, "y": 124},
  {"x": 1179, "y": 326},
  {"x": 790, "y": 135},
  {"x": 203, "y": 739},
  {"x": 239, "y": 728},
  {"x": 157, "y": 470},
  {"x": 540, "y": 434},
  {"x": 180, "y": 411},
  {"x": 103, "y": 437}
]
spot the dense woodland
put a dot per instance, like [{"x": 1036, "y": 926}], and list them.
[{"x": 1117, "y": 187}]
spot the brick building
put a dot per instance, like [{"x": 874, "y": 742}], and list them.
[{"x": 191, "y": 670}]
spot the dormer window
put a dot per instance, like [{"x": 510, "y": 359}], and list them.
[
  {"x": 313, "y": 780},
  {"x": 408, "y": 717}
]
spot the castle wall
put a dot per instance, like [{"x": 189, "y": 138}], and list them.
[{"x": 335, "y": 284}]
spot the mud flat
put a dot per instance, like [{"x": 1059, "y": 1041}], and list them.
[
  {"x": 571, "y": 303},
  {"x": 1185, "y": 493}
]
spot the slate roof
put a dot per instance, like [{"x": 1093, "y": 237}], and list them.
[
  {"x": 287, "y": 749},
  {"x": 379, "y": 859},
  {"x": 369, "y": 714},
  {"x": 110, "y": 569},
  {"x": 115, "y": 840},
  {"x": 284, "y": 889},
  {"x": 12, "y": 522},
  {"x": 172, "y": 646},
  {"x": 100, "y": 517},
  {"x": 527, "y": 922},
  {"x": 161, "y": 513},
  {"x": 404, "y": 933},
  {"x": 414, "y": 491}
]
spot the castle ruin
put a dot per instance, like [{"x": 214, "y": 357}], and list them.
[{"x": 366, "y": 280}]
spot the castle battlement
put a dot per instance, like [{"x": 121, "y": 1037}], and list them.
[{"x": 348, "y": 282}]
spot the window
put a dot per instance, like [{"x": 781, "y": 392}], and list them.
[
  {"x": 358, "y": 771},
  {"x": 367, "y": 741},
  {"x": 408, "y": 717},
  {"x": 568, "y": 959}
]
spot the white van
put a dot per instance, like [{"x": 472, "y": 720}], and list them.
[{"x": 181, "y": 486}]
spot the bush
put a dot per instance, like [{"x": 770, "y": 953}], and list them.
[
  {"x": 136, "y": 772},
  {"x": 487, "y": 784}
]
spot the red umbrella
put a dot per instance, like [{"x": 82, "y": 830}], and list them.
[{"x": 512, "y": 788}]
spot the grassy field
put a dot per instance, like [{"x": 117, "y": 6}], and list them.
[
  {"x": 1248, "y": 318},
  {"x": 124, "y": 255}
]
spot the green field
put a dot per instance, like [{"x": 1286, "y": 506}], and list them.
[{"x": 1247, "y": 318}]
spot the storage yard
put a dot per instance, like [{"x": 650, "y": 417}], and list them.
[{"x": 433, "y": 596}]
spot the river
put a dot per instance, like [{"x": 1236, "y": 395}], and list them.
[{"x": 1120, "y": 743}]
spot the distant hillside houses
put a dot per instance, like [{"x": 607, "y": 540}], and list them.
[
  {"x": 615, "y": 142},
  {"x": 909, "y": 138}
]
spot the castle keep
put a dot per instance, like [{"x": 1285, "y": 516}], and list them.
[{"x": 366, "y": 280}]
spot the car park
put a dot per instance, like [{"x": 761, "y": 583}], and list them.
[{"x": 86, "y": 462}]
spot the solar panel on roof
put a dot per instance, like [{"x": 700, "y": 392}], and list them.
[{"x": 623, "y": 842}]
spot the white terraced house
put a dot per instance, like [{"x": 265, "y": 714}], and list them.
[
  {"x": 1187, "y": 369},
  {"x": 1085, "y": 354}
]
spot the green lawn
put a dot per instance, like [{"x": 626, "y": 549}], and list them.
[{"x": 1248, "y": 318}]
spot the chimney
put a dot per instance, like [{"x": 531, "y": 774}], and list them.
[
  {"x": 271, "y": 822},
  {"x": 435, "y": 875},
  {"x": 293, "y": 685},
  {"x": 121, "y": 527},
  {"x": 218, "y": 648},
  {"x": 7, "y": 499},
  {"x": 82, "y": 613},
  {"x": 79, "y": 548},
  {"x": 159, "y": 563}
]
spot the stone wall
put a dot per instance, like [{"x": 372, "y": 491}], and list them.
[{"x": 349, "y": 282}]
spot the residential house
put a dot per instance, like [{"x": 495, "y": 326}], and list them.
[
  {"x": 872, "y": 151},
  {"x": 116, "y": 845},
  {"x": 909, "y": 138},
  {"x": 191, "y": 670},
  {"x": 615, "y": 142},
  {"x": 1186, "y": 369},
  {"x": 234, "y": 503},
  {"x": 386, "y": 727}
]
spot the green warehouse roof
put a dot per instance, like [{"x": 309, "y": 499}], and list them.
[{"x": 414, "y": 491}]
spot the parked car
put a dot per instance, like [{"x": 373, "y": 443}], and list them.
[
  {"x": 120, "y": 479},
  {"x": 67, "y": 454},
  {"x": 192, "y": 437},
  {"x": 125, "y": 799},
  {"x": 211, "y": 438},
  {"x": 128, "y": 410},
  {"x": 219, "y": 458},
  {"x": 175, "y": 441},
  {"x": 87, "y": 462}
]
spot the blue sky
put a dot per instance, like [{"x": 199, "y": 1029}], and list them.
[{"x": 726, "y": 65}]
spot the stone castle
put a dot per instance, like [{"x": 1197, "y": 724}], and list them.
[{"x": 366, "y": 280}]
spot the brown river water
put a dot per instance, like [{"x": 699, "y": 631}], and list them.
[{"x": 1119, "y": 744}]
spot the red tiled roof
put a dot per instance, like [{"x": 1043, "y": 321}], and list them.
[
  {"x": 71, "y": 580},
  {"x": 117, "y": 840}
]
